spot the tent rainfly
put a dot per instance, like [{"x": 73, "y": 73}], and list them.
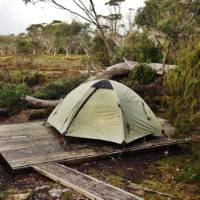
[{"x": 104, "y": 110}]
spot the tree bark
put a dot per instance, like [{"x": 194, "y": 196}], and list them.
[
  {"x": 66, "y": 52},
  {"x": 106, "y": 43}
]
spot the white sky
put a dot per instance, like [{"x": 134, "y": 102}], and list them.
[{"x": 15, "y": 16}]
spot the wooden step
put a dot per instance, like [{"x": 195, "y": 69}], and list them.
[{"x": 88, "y": 186}]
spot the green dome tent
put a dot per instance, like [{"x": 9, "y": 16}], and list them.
[{"x": 104, "y": 110}]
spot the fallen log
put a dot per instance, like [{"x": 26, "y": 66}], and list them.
[
  {"x": 116, "y": 71},
  {"x": 40, "y": 103},
  {"x": 122, "y": 69}
]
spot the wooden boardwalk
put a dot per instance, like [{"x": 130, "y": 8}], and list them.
[
  {"x": 90, "y": 187},
  {"x": 23, "y": 145}
]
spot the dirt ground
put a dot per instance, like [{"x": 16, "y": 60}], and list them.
[
  {"x": 119, "y": 171},
  {"x": 32, "y": 186}
]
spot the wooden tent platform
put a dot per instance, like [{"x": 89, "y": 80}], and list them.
[{"x": 26, "y": 144}]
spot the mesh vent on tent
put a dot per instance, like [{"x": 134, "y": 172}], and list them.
[{"x": 104, "y": 84}]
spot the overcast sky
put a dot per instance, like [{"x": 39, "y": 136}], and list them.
[{"x": 15, "y": 16}]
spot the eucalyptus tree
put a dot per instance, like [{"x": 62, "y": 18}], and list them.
[
  {"x": 35, "y": 32},
  {"x": 50, "y": 39},
  {"x": 24, "y": 46},
  {"x": 7, "y": 45},
  {"x": 75, "y": 37},
  {"x": 87, "y": 11},
  {"x": 114, "y": 17},
  {"x": 169, "y": 21},
  {"x": 138, "y": 47}
]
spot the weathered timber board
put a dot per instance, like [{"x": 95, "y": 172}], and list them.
[{"x": 26, "y": 144}]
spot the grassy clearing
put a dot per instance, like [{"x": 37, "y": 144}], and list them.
[{"x": 42, "y": 58}]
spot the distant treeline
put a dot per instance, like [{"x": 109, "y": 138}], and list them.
[{"x": 155, "y": 33}]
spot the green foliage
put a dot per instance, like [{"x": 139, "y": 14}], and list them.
[
  {"x": 188, "y": 165},
  {"x": 3, "y": 195},
  {"x": 21, "y": 76},
  {"x": 139, "y": 48},
  {"x": 24, "y": 46},
  {"x": 35, "y": 79},
  {"x": 145, "y": 82},
  {"x": 182, "y": 87},
  {"x": 99, "y": 52},
  {"x": 143, "y": 74},
  {"x": 10, "y": 95},
  {"x": 67, "y": 195},
  {"x": 60, "y": 88},
  {"x": 160, "y": 16},
  {"x": 170, "y": 23}
]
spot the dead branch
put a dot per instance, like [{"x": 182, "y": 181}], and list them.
[{"x": 122, "y": 69}]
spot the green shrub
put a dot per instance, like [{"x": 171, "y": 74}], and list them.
[
  {"x": 99, "y": 52},
  {"x": 35, "y": 78},
  {"x": 191, "y": 167},
  {"x": 183, "y": 167},
  {"x": 145, "y": 82},
  {"x": 60, "y": 88},
  {"x": 67, "y": 195},
  {"x": 182, "y": 87},
  {"x": 10, "y": 95},
  {"x": 139, "y": 48},
  {"x": 143, "y": 74}
]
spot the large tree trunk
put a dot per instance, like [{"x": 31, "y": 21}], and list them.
[
  {"x": 66, "y": 52},
  {"x": 106, "y": 43},
  {"x": 34, "y": 51},
  {"x": 54, "y": 52}
]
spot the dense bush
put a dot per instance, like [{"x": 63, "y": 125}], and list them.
[
  {"x": 191, "y": 168},
  {"x": 21, "y": 76},
  {"x": 35, "y": 79},
  {"x": 10, "y": 95},
  {"x": 99, "y": 52},
  {"x": 60, "y": 88},
  {"x": 184, "y": 168},
  {"x": 182, "y": 87},
  {"x": 145, "y": 82},
  {"x": 143, "y": 74},
  {"x": 139, "y": 48}
]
